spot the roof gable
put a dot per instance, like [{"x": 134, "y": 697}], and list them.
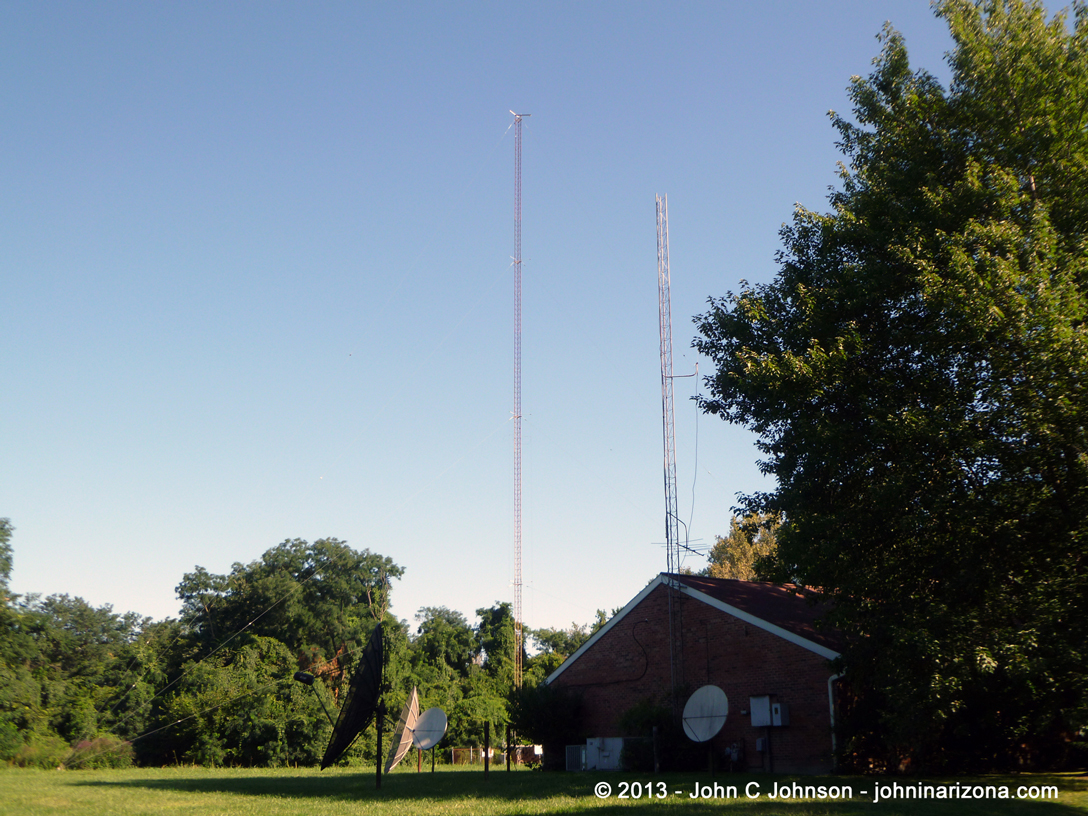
[{"x": 771, "y": 607}]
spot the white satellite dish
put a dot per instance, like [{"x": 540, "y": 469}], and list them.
[
  {"x": 430, "y": 728},
  {"x": 705, "y": 713},
  {"x": 402, "y": 736}
]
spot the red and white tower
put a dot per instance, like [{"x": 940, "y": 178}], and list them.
[{"x": 519, "y": 633}]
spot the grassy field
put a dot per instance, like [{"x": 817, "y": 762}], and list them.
[{"x": 183, "y": 791}]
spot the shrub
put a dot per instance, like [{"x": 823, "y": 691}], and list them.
[
  {"x": 42, "y": 751},
  {"x": 101, "y": 752},
  {"x": 10, "y": 741}
]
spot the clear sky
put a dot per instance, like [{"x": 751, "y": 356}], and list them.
[{"x": 256, "y": 283}]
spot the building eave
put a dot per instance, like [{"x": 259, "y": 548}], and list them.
[{"x": 678, "y": 584}]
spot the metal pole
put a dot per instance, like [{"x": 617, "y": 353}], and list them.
[{"x": 378, "y": 769}]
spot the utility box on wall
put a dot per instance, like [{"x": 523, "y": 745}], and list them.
[
  {"x": 766, "y": 714},
  {"x": 761, "y": 711}
]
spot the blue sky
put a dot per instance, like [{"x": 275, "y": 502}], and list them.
[{"x": 256, "y": 284}]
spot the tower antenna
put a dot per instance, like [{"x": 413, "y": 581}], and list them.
[
  {"x": 664, "y": 286},
  {"x": 519, "y": 634},
  {"x": 672, "y": 529}
]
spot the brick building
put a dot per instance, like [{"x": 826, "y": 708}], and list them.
[{"x": 752, "y": 640}]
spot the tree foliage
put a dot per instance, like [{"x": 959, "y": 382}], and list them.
[
  {"x": 5, "y": 555},
  {"x": 550, "y": 716},
  {"x": 241, "y": 707},
  {"x": 445, "y": 639},
  {"x": 82, "y": 686},
  {"x": 70, "y": 673},
  {"x": 745, "y": 552},
  {"x": 318, "y": 597},
  {"x": 916, "y": 374},
  {"x": 300, "y": 606}
]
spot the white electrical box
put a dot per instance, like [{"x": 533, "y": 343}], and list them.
[
  {"x": 761, "y": 743},
  {"x": 761, "y": 711},
  {"x": 780, "y": 714},
  {"x": 604, "y": 753}
]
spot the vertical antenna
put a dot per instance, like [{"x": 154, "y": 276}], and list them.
[
  {"x": 672, "y": 530},
  {"x": 518, "y": 632},
  {"x": 664, "y": 284}
]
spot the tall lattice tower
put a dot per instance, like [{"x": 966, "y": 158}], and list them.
[
  {"x": 664, "y": 285},
  {"x": 519, "y": 634},
  {"x": 672, "y": 519}
]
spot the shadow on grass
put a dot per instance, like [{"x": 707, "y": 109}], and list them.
[
  {"x": 361, "y": 785},
  {"x": 526, "y": 786}
]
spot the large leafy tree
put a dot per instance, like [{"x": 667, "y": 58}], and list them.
[
  {"x": 556, "y": 645},
  {"x": 318, "y": 603},
  {"x": 444, "y": 639},
  {"x": 71, "y": 673},
  {"x": 738, "y": 555},
  {"x": 317, "y": 598},
  {"x": 495, "y": 636},
  {"x": 240, "y": 707},
  {"x": 917, "y": 376}
]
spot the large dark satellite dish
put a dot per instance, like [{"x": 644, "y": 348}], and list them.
[{"x": 361, "y": 702}]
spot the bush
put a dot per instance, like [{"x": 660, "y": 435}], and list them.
[
  {"x": 42, "y": 751},
  {"x": 674, "y": 750},
  {"x": 10, "y": 741},
  {"x": 101, "y": 752}
]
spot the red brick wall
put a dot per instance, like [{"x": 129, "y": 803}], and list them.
[{"x": 630, "y": 664}]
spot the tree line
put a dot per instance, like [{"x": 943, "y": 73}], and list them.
[{"x": 84, "y": 686}]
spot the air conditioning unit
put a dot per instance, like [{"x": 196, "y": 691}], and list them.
[{"x": 576, "y": 757}]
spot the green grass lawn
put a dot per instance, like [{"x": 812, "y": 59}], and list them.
[{"x": 183, "y": 791}]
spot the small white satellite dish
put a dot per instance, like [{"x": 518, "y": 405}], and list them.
[
  {"x": 430, "y": 728},
  {"x": 705, "y": 713}
]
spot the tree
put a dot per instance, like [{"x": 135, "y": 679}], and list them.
[
  {"x": 20, "y": 689},
  {"x": 72, "y": 676},
  {"x": 5, "y": 557},
  {"x": 751, "y": 541},
  {"x": 495, "y": 636},
  {"x": 917, "y": 375},
  {"x": 315, "y": 597},
  {"x": 240, "y": 707},
  {"x": 318, "y": 603},
  {"x": 561, "y": 642},
  {"x": 442, "y": 656},
  {"x": 444, "y": 638},
  {"x": 555, "y": 646},
  {"x": 550, "y": 716}
]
